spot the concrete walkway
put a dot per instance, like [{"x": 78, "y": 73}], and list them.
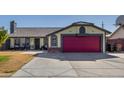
[
  {"x": 32, "y": 52},
  {"x": 73, "y": 65}
]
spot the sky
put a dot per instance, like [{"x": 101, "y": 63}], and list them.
[{"x": 58, "y": 20}]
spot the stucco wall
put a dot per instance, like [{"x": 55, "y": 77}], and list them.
[
  {"x": 75, "y": 30},
  {"x": 49, "y": 41},
  {"x": 12, "y": 42},
  {"x": 32, "y": 43},
  {"x": 41, "y": 42}
]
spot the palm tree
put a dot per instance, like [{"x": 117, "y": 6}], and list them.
[{"x": 3, "y": 37}]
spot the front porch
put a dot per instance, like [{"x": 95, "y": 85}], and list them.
[{"x": 27, "y": 43}]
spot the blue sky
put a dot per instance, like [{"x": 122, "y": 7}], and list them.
[{"x": 57, "y": 20}]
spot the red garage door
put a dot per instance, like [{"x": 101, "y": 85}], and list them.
[{"x": 81, "y": 44}]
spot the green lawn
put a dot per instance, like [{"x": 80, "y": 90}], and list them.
[{"x": 4, "y": 58}]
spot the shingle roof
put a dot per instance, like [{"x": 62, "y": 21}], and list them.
[
  {"x": 46, "y": 31},
  {"x": 33, "y": 32}
]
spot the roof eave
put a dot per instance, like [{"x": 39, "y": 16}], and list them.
[
  {"x": 80, "y": 25},
  {"x": 102, "y": 29},
  {"x": 26, "y": 36},
  {"x": 115, "y": 31}
]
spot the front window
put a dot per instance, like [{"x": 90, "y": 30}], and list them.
[
  {"x": 17, "y": 41},
  {"x": 53, "y": 40}
]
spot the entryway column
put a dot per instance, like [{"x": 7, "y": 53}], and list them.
[
  {"x": 12, "y": 42},
  {"x": 32, "y": 45}
]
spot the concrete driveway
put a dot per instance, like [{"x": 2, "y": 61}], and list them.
[{"x": 74, "y": 65}]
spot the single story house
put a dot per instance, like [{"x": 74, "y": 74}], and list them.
[
  {"x": 116, "y": 39},
  {"x": 29, "y": 37},
  {"x": 77, "y": 37}
]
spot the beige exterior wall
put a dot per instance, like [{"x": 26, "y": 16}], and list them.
[
  {"x": 12, "y": 42},
  {"x": 49, "y": 41},
  {"x": 75, "y": 30},
  {"x": 118, "y": 34},
  {"x": 41, "y": 42},
  {"x": 93, "y": 30},
  {"x": 32, "y": 43}
]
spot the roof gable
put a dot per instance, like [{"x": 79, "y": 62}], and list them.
[
  {"x": 119, "y": 33},
  {"x": 81, "y": 24}
]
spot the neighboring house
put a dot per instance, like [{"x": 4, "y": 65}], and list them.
[
  {"x": 116, "y": 39},
  {"x": 77, "y": 37}
]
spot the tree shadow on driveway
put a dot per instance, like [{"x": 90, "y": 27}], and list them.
[{"x": 76, "y": 56}]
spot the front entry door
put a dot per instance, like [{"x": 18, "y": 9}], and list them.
[{"x": 37, "y": 43}]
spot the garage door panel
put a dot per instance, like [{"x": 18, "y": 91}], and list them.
[{"x": 81, "y": 44}]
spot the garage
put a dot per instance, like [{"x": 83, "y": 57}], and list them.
[
  {"x": 82, "y": 43},
  {"x": 78, "y": 37}
]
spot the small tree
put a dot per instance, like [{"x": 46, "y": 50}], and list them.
[{"x": 3, "y": 37}]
